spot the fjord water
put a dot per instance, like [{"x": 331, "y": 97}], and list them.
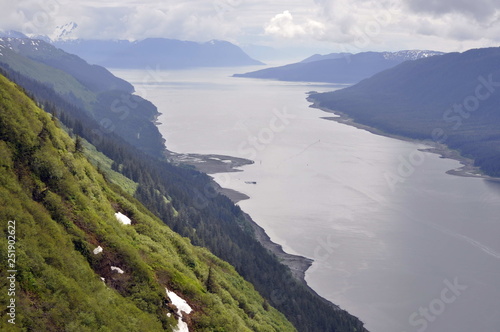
[{"x": 395, "y": 240}]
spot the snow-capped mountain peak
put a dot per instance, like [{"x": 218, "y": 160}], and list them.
[{"x": 63, "y": 31}]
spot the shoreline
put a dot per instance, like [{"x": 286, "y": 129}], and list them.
[
  {"x": 208, "y": 163},
  {"x": 212, "y": 164},
  {"x": 466, "y": 170}
]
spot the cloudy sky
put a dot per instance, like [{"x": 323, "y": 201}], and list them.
[{"x": 335, "y": 25}]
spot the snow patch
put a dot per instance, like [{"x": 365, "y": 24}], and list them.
[
  {"x": 117, "y": 269},
  {"x": 409, "y": 55},
  {"x": 123, "y": 218},
  {"x": 97, "y": 250},
  {"x": 182, "y": 307}
]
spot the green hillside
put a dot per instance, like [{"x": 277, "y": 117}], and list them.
[
  {"x": 64, "y": 209},
  {"x": 185, "y": 200}
]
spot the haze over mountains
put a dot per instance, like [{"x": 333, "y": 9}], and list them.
[
  {"x": 158, "y": 52},
  {"x": 339, "y": 67},
  {"x": 155, "y": 53},
  {"x": 106, "y": 229}
]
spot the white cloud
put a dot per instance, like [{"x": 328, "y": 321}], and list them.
[
  {"x": 283, "y": 25},
  {"x": 354, "y": 25}
]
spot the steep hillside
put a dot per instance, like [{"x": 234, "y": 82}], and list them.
[
  {"x": 338, "y": 67},
  {"x": 78, "y": 267},
  {"x": 96, "y": 78},
  {"x": 95, "y": 90},
  {"x": 451, "y": 99},
  {"x": 188, "y": 202},
  {"x": 158, "y": 53}
]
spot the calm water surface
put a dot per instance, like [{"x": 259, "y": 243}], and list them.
[{"x": 419, "y": 254}]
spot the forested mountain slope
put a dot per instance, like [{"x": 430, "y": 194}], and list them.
[
  {"x": 187, "y": 201},
  {"x": 93, "y": 89},
  {"x": 77, "y": 267},
  {"x": 452, "y": 99}
]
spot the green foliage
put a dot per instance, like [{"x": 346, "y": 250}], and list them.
[
  {"x": 105, "y": 165},
  {"x": 64, "y": 209}
]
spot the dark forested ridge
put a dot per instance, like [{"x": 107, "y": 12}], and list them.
[
  {"x": 92, "y": 89},
  {"x": 338, "y": 67},
  {"x": 452, "y": 99},
  {"x": 186, "y": 200}
]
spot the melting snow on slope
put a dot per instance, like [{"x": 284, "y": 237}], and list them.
[
  {"x": 97, "y": 250},
  {"x": 123, "y": 218},
  {"x": 117, "y": 269},
  {"x": 182, "y": 306}
]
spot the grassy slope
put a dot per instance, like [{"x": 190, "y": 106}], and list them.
[
  {"x": 64, "y": 208},
  {"x": 103, "y": 164}
]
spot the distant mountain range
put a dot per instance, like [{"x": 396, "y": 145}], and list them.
[
  {"x": 95, "y": 78},
  {"x": 452, "y": 99},
  {"x": 331, "y": 56},
  {"x": 155, "y": 53},
  {"x": 339, "y": 67},
  {"x": 158, "y": 53}
]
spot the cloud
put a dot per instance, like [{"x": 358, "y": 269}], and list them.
[
  {"x": 127, "y": 19},
  {"x": 480, "y": 10},
  {"x": 283, "y": 25},
  {"x": 353, "y": 25},
  {"x": 170, "y": 20},
  {"x": 368, "y": 24}
]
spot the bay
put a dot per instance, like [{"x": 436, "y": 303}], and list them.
[{"x": 418, "y": 254}]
